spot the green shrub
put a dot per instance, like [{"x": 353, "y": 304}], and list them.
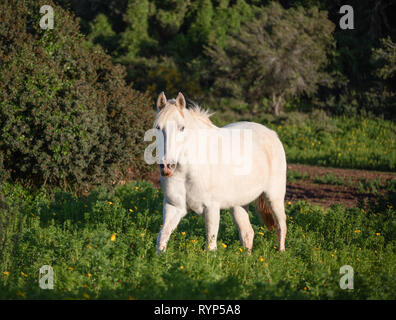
[{"x": 67, "y": 116}]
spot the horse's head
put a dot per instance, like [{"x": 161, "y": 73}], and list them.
[{"x": 170, "y": 122}]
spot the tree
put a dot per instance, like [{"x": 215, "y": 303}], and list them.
[
  {"x": 135, "y": 38},
  {"x": 278, "y": 54},
  {"x": 386, "y": 55},
  {"x": 384, "y": 59}
]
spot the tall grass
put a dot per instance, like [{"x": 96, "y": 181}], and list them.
[{"x": 103, "y": 246}]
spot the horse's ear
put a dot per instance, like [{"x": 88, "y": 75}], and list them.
[
  {"x": 180, "y": 101},
  {"x": 161, "y": 101}
]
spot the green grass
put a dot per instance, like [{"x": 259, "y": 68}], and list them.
[
  {"x": 293, "y": 175},
  {"x": 330, "y": 178},
  {"x": 348, "y": 143},
  {"x": 342, "y": 142},
  {"x": 74, "y": 235}
]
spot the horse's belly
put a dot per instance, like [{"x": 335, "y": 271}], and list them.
[
  {"x": 225, "y": 191},
  {"x": 238, "y": 192}
]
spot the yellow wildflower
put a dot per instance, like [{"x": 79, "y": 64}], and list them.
[
  {"x": 181, "y": 267},
  {"x": 113, "y": 237},
  {"x": 24, "y": 274},
  {"x": 70, "y": 268},
  {"x": 6, "y": 273},
  {"x": 224, "y": 245}
]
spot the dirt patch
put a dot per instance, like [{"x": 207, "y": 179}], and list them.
[
  {"x": 326, "y": 194},
  {"x": 322, "y": 194},
  {"x": 313, "y": 171}
]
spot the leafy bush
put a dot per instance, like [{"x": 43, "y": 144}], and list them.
[{"x": 67, "y": 116}]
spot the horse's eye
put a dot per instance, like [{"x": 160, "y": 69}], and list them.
[
  {"x": 182, "y": 129},
  {"x": 157, "y": 127}
]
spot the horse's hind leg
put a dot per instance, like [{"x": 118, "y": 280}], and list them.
[
  {"x": 278, "y": 213},
  {"x": 246, "y": 233}
]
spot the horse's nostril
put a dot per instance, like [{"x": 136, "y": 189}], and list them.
[
  {"x": 171, "y": 166},
  {"x": 162, "y": 166}
]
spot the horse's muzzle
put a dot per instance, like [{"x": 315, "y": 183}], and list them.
[{"x": 167, "y": 169}]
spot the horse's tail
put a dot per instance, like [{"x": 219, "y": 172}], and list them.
[{"x": 265, "y": 212}]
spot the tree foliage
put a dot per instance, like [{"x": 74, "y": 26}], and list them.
[
  {"x": 172, "y": 35},
  {"x": 280, "y": 53}
]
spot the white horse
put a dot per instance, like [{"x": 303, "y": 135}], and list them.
[{"x": 206, "y": 188}]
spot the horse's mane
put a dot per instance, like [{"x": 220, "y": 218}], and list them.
[
  {"x": 198, "y": 113},
  {"x": 193, "y": 108}
]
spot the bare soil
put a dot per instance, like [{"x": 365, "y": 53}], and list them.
[
  {"x": 326, "y": 194},
  {"x": 323, "y": 194}
]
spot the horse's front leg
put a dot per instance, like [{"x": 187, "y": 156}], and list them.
[
  {"x": 171, "y": 218},
  {"x": 212, "y": 221}
]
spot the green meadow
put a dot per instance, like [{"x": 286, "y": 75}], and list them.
[{"x": 103, "y": 246}]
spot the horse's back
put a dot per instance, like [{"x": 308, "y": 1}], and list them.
[
  {"x": 266, "y": 169},
  {"x": 264, "y": 140}
]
